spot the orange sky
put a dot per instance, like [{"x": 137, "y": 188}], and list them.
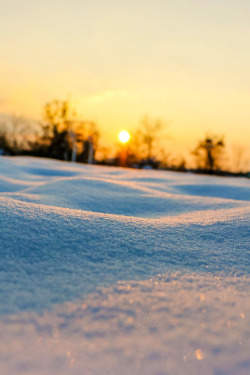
[{"x": 186, "y": 62}]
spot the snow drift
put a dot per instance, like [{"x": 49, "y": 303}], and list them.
[{"x": 117, "y": 271}]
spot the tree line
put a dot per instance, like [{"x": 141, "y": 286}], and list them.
[{"x": 63, "y": 135}]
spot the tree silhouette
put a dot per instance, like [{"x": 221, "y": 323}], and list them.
[
  {"x": 240, "y": 159},
  {"x": 208, "y": 153},
  {"x": 15, "y": 132},
  {"x": 87, "y": 138},
  {"x": 64, "y": 135},
  {"x": 148, "y": 133},
  {"x": 58, "y": 121},
  {"x": 144, "y": 144}
]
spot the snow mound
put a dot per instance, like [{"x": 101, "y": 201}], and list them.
[
  {"x": 80, "y": 250},
  {"x": 137, "y": 193}
]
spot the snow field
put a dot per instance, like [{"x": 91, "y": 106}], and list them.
[{"x": 80, "y": 250}]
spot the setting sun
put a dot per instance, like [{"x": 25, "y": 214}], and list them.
[{"x": 124, "y": 136}]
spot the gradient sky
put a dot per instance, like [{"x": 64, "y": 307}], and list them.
[{"x": 185, "y": 61}]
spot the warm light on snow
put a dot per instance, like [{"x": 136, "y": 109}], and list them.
[
  {"x": 199, "y": 354},
  {"x": 124, "y": 136}
]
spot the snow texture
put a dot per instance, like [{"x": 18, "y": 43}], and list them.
[{"x": 117, "y": 271}]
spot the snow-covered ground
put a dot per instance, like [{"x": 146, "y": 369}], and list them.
[{"x": 116, "y": 271}]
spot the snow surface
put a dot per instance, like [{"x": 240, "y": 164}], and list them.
[{"x": 117, "y": 271}]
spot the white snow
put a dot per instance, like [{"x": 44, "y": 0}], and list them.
[{"x": 116, "y": 271}]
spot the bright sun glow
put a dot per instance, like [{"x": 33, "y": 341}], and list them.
[{"x": 124, "y": 136}]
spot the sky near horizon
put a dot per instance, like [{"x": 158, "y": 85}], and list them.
[{"x": 184, "y": 61}]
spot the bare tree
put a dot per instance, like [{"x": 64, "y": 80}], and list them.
[
  {"x": 146, "y": 139},
  {"x": 87, "y": 138},
  {"x": 240, "y": 158},
  {"x": 65, "y": 136},
  {"x": 4, "y": 142},
  {"x": 58, "y": 116},
  {"x": 208, "y": 153},
  {"x": 15, "y": 134}
]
